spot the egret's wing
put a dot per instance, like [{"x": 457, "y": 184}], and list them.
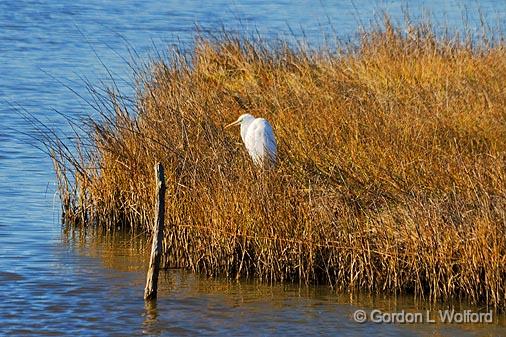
[
  {"x": 269, "y": 140},
  {"x": 260, "y": 141}
]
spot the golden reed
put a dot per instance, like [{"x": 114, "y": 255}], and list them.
[{"x": 391, "y": 173}]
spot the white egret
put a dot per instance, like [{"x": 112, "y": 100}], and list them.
[{"x": 258, "y": 138}]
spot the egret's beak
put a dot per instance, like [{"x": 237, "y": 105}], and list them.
[{"x": 237, "y": 122}]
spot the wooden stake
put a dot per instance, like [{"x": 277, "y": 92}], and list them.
[{"x": 156, "y": 247}]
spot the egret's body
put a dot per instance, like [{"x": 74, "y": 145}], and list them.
[{"x": 258, "y": 138}]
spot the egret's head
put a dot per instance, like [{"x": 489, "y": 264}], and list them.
[{"x": 244, "y": 118}]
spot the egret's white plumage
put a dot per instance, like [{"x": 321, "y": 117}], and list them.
[{"x": 258, "y": 137}]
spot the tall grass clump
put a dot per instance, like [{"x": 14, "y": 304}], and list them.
[{"x": 391, "y": 173}]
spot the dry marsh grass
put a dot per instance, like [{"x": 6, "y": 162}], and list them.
[{"x": 391, "y": 173}]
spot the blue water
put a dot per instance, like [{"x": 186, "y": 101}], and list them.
[{"x": 54, "y": 285}]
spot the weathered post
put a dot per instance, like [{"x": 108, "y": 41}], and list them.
[{"x": 156, "y": 247}]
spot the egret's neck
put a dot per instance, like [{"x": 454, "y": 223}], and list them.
[{"x": 245, "y": 124}]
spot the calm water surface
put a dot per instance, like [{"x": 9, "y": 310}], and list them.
[{"x": 57, "y": 284}]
